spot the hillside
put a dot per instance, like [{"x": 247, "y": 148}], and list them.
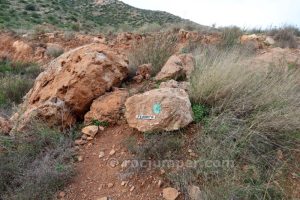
[{"x": 77, "y": 14}]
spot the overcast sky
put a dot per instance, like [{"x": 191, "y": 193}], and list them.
[{"x": 243, "y": 13}]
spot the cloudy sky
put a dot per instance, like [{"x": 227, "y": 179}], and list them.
[{"x": 244, "y": 13}]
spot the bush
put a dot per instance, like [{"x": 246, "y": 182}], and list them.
[
  {"x": 13, "y": 88},
  {"x": 286, "y": 38},
  {"x": 230, "y": 36},
  {"x": 30, "y": 7},
  {"x": 54, "y": 51},
  {"x": 155, "y": 50},
  {"x": 200, "y": 112},
  {"x": 35, "y": 165}
]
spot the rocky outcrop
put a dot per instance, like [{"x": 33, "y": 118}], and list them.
[
  {"x": 107, "y": 108},
  {"x": 143, "y": 72},
  {"x": 5, "y": 126},
  {"x": 177, "y": 66},
  {"x": 255, "y": 41},
  {"x": 70, "y": 83},
  {"x": 164, "y": 109}
]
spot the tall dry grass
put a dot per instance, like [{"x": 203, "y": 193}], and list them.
[
  {"x": 155, "y": 50},
  {"x": 253, "y": 122}
]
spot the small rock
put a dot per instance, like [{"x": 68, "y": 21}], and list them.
[
  {"x": 159, "y": 183},
  {"x": 170, "y": 193},
  {"x": 101, "y": 154},
  {"x": 103, "y": 198},
  {"x": 61, "y": 195},
  {"x": 101, "y": 128},
  {"x": 110, "y": 185},
  {"x": 84, "y": 137},
  {"x": 124, "y": 183},
  {"x": 132, "y": 188},
  {"x": 194, "y": 193},
  {"x": 80, "y": 158},
  {"x": 89, "y": 138},
  {"x": 80, "y": 142},
  {"x": 112, "y": 152},
  {"x": 90, "y": 131}
]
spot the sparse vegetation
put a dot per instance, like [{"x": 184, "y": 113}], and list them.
[
  {"x": 252, "y": 123},
  {"x": 54, "y": 51},
  {"x": 35, "y": 164},
  {"x": 156, "y": 50},
  {"x": 286, "y": 38},
  {"x": 156, "y": 146},
  {"x": 230, "y": 36},
  {"x": 16, "y": 79}
]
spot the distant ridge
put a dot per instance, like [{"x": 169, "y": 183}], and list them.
[{"x": 78, "y": 14}]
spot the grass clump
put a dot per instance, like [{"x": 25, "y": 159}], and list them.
[
  {"x": 253, "y": 124},
  {"x": 156, "y": 146},
  {"x": 35, "y": 164},
  {"x": 286, "y": 38},
  {"x": 16, "y": 79},
  {"x": 54, "y": 51},
  {"x": 155, "y": 50},
  {"x": 230, "y": 36}
]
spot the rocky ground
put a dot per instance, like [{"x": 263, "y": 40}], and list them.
[{"x": 89, "y": 84}]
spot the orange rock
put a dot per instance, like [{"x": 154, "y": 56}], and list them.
[
  {"x": 164, "y": 109},
  {"x": 71, "y": 82},
  {"x": 107, "y": 108},
  {"x": 177, "y": 66}
]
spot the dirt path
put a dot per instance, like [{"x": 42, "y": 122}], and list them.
[{"x": 96, "y": 177}]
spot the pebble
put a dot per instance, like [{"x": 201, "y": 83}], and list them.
[
  {"x": 132, "y": 188},
  {"x": 61, "y": 195},
  {"x": 110, "y": 185},
  {"x": 112, "y": 152},
  {"x": 101, "y": 154},
  {"x": 80, "y": 158}
]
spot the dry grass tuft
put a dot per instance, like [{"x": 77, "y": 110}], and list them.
[
  {"x": 253, "y": 122},
  {"x": 155, "y": 50}
]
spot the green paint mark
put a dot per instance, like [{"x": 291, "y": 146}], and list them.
[{"x": 156, "y": 108}]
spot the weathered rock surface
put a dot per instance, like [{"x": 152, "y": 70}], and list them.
[
  {"x": 143, "y": 73},
  {"x": 107, "y": 108},
  {"x": 177, "y": 66},
  {"x": 90, "y": 131},
  {"x": 253, "y": 40},
  {"x": 174, "y": 84},
  {"x": 160, "y": 109},
  {"x": 70, "y": 83},
  {"x": 5, "y": 126},
  {"x": 170, "y": 193}
]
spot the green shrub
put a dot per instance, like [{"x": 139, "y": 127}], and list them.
[
  {"x": 200, "y": 112},
  {"x": 35, "y": 164},
  {"x": 100, "y": 123},
  {"x": 30, "y": 7}
]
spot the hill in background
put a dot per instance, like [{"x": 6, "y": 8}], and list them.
[{"x": 78, "y": 14}]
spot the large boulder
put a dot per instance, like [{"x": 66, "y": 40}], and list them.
[
  {"x": 5, "y": 126},
  {"x": 70, "y": 83},
  {"x": 176, "y": 67},
  {"x": 107, "y": 108},
  {"x": 164, "y": 109}
]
